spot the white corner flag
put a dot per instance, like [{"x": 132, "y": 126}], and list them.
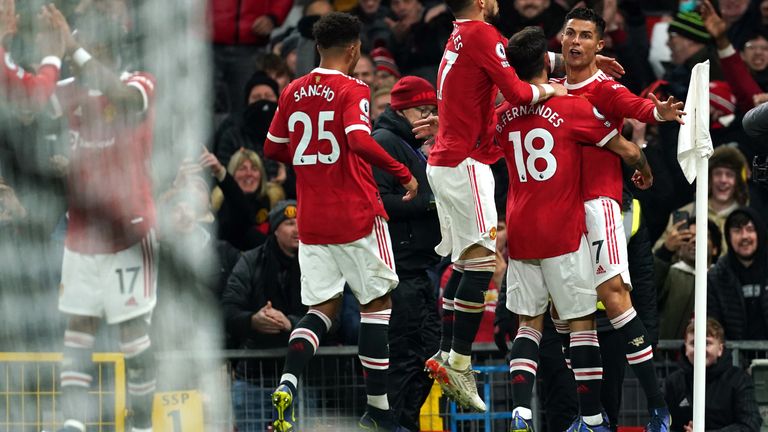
[
  {"x": 694, "y": 147},
  {"x": 694, "y": 141}
]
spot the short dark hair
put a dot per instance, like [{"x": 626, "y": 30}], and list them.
[
  {"x": 525, "y": 52},
  {"x": 272, "y": 63},
  {"x": 714, "y": 234},
  {"x": 335, "y": 30},
  {"x": 587, "y": 14}
]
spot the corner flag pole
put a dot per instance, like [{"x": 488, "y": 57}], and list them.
[{"x": 694, "y": 146}]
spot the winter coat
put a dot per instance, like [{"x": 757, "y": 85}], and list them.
[
  {"x": 725, "y": 300},
  {"x": 232, "y": 19},
  {"x": 262, "y": 274},
  {"x": 730, "y": 398},
  {"x": 413, "y": 225}
]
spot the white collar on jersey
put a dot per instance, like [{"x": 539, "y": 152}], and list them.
[
  {"x": 328, "y": 71},
  {"x": 587, "y": 81}
]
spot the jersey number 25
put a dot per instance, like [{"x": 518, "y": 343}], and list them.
[{"x": 301, "y": 157}]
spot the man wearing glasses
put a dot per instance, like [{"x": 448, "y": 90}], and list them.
[{"x": 415, "y": 231}]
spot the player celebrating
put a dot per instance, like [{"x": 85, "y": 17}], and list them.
[
  {"x": 322, "y": 127},
  {"x": 582, "y": 40},
  {"x": 474, "y": 65},
  {"x": 109, "y": 265},
  {"x": 542, "y": 148}
]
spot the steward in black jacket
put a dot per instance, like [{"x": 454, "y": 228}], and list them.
[
  {"x": 415, "y": 231},
  {"x": 737, "y": 294}
]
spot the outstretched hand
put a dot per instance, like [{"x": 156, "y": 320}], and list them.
[
  {"x": 210, "y": 161},
  {"x": 671, "y": 109}
]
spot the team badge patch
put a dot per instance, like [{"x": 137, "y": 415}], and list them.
[
  {"x": 500, "y": 51},
  {"x": 493, "y": 233}
]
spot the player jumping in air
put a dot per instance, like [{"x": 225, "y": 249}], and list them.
[{"x": 322, "y": 127}]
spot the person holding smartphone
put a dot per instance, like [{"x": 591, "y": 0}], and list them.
[{"x": 727, "y": 191}]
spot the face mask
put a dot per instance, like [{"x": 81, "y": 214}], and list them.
[{"x": 257, "y": 118}]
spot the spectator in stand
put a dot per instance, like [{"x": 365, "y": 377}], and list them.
[
  {"x": 243, "y": 198},
  {"x": 730, "y": 393},
  {"x": 734, "y": 70},
  {"x": 415, "y": 231},
  {"x": 675, "y": 279},
  {"x": 241, "y": 30},
  {"x": 262, "y": 304},
  {"x": 276, "y": 67},
  {"x": 387, "y": 73},
  {"x": 380, "y": 101},
  {"x": 373, "y": 15},
  {"x": 419, "y": 35},
  {"x": 727, "y": 189},
  {"x": 755, "y": 55},
  {"x": 737, "y": 295},
  {"x": 518, "y": 14},
  {"x": 364, "y": 70},
  {"x": 247, "y": 128},
  {"x": 742, "y": 18},
  {"x": 307, "y": 57},
  {"x": 689, "y": 44},
  {"x": 195, "y": 271}
]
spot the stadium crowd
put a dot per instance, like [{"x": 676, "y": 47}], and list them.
[{"x": 76, "y": 126}]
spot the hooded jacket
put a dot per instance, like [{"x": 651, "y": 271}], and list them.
[
  {"x": 725, "y": 300},
  {"x": 413, "y": 226},
  {"x": 730, "y": 397}
]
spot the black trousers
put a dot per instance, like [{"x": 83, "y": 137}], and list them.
[
  {"x": 414, "y": 336},
  {"x": 558, "y": 388}
]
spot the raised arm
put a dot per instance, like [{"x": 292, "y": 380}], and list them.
[{"x": 131, "y": 97}]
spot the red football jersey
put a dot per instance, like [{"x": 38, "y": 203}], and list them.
[
  {"x": 315, "y": 129},
  {"x": 474, "y": 67},
  {"x": 616, "y": 103},
  {"x": 110, "y": 189},
  {"x": 545, "y": 210},
  {"x": 20, "y": 86}
]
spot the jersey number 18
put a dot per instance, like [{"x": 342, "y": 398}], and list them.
[{"x": 528, "y": 168}]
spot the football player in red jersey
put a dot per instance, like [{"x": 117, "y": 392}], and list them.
[
  {"x": 582, "y": 40},
  {"x": 473, "y": 69},
  {"x": 543, "y": 146},
  {"x": 109, "y": 264},
  {"x": 322, "y": 127},
  {"x": 22, "y": 88}
]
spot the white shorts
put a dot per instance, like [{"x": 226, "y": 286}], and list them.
[
  {"x": 607, "y": 240},
  {"x": 566, "y": 278},
  {"x": 116, "y": 286},
  {"x": 367, "y": 265},
  {"x": 465, "y": 206}
]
